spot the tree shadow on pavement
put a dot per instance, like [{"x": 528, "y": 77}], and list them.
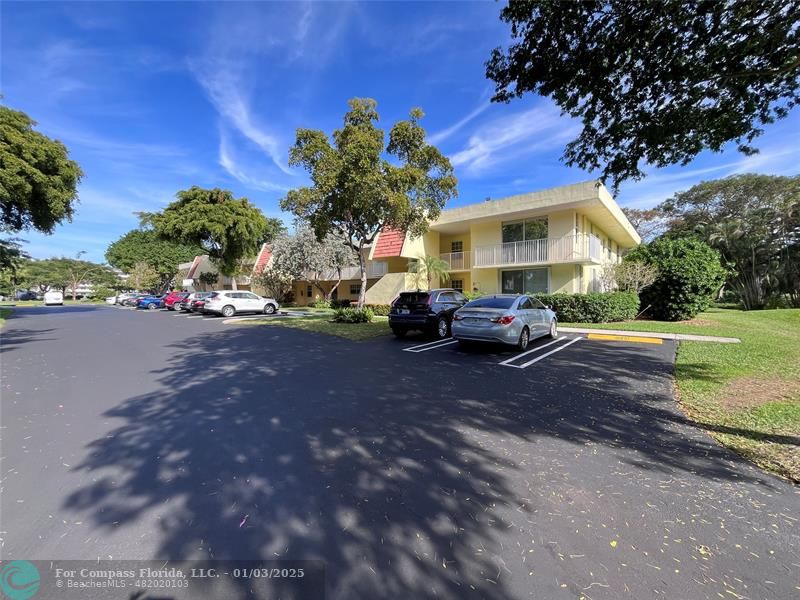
[{"x": 402, "y": 474}]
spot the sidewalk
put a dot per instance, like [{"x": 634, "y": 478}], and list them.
[{"x": 649, "y": 334}]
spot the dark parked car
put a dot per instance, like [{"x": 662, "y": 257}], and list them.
[
  {"x": 194, "y": 301},
  {"x": 430, "y": 311},
  {"x": 25, "y": 295}
]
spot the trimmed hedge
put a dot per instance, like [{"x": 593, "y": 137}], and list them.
[
  {"x": 379, "y": 309},
  {"x": 593, "y": 307},
  {"x": 353, "y": 315}
]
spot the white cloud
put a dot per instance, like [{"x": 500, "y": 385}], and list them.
[
  {"x": 227, "y": 161},
  {"x": 505, "y": 138},
  {"x": 442, "y": 135},
  {"x": 658, "y": 187}
]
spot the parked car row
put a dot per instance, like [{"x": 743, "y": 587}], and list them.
[
  {"x": 224, "y": 302},
  {"x": 512, "y": 319}
]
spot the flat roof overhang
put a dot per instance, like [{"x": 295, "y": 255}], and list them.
[{"x": 587, "y": 198}]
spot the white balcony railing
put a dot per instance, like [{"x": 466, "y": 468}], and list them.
[
  {"x": 375, "y": 269},
  {"x": 570, "y": 248},
  {"x": 456, "y": 261}
]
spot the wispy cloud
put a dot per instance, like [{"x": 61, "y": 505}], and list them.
[
  {"x": 655, "y": 188},
  {"x": 228, "y": 162},
  {"x": 511, "y": 136},
  {"x": 440, "y": 136}
]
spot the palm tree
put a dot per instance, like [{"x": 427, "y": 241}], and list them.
[{"x": 429, "y": 267}]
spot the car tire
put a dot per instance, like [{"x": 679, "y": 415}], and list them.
[
  {"x": 441, "y": 329},
  {"x": 269, "y": 309},
  {"x": 228, "y": 311},
  {"x": 151, "y": 306},
  {"x": 553, "y": 329},
  {"x": 401, "y": 333},
  {"x": 524, "y": 339}
]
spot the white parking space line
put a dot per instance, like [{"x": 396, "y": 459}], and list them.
[
  {"x": 538, "y": 358},
  {"x": 429, "y": 346},
  {"x": 542, "y": 347}
]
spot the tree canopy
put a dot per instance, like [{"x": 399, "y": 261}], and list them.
[
  {"x": 653, "y": 82},
  {"x": 754, "y": 222},
  {"x": 228, "y": 229},
  {"x": 64, "y": 274},
  {"x": 357, "y": 191},
  {"x": 303, "y": 256},
  {"x": 146, "y": 246},
  {"x": 273, "y": 228},
  {"x": 38, "y": 181}
]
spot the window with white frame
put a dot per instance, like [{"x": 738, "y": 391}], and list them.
[
  {"x": 457, "y": 284},
  {"x": 355, "y": 289},
  {"x": 457, "y": 246}
]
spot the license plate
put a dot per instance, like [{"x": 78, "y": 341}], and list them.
[
  {"x": 403, "y": 311},
  {"x": 473, "y": 320}
]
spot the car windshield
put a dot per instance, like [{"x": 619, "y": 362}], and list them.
[{"x": 492, "y": 302}]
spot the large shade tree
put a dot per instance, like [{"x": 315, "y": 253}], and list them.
[
  {"x": 356, "y": 191},
  {"x": 752, "y": 220},
  {"x": 38, "y": 180},
  {"x": 146, "y": 246},
  {"x": 653, "y": 82},
  {"x": 228, "y": 229}
]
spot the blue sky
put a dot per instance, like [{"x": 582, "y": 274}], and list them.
[{"x": 151, "y": 98}]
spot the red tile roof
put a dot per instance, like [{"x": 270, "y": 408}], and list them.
[
  {"x": 263, "y": 258},
  {"x": 193, "y": 268},
  {"x": 390, "y": 243}
]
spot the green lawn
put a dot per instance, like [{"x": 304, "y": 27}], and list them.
[
  {"x": 4, "y": 312},
  {"x": 319, "y": 321},
  {"x": 746, "y": 395}
]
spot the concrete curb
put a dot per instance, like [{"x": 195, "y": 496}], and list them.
[{"x": 686, "y": 337}]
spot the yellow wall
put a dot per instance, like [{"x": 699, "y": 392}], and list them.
[
  {"x": 445, "y": 242},
  {"x": 562, "y": 279}
]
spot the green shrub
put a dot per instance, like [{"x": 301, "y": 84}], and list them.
[
  {"x": 101, "y": 293},
  {"x": 690, "y": 274},
  {"x": 343, "y": 303},
  {"x": 471, "y": 295},
  {"x": 353, "y": 315},
  {"x": 593, "y": 307},
  {"x": 379, "y": 309},
  {"x": 321, "y": 303}
]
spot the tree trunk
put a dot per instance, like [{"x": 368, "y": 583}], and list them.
[
  {"x": 338, "y": 281},
  {"x": 233, "y": 283},
  {"x": 362, "y": 265},
  {"x": 74, "y": 291}
]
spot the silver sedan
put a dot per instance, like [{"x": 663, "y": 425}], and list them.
[{"x": 504, "y": 318}]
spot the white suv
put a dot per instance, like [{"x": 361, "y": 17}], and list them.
[{"x": 227, "y": 303}]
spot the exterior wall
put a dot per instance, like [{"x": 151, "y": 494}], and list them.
[
  {"x": 445, "y": 242},
  {"x": 562, "y": 279}
]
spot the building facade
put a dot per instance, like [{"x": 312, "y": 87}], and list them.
[{"x": 554, "y": 240}]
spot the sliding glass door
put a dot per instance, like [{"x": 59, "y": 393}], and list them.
[{"x": 524, "y": 281}]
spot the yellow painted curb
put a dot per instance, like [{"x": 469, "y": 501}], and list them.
[{"x": 624, "y": 338}]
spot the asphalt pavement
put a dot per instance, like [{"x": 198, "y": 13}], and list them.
[{"x": 437, "y": 473}]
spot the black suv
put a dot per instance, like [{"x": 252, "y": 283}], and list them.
[{"x": 430, "y": 311}]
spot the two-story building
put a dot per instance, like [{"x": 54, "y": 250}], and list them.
[{"x": 554, "y": 240}]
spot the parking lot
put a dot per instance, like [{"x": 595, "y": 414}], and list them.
[{"x": 413, "y": 469}]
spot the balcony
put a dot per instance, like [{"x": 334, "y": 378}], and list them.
[
  {"x": 456, "y": 261},
  {"x": 581, "y": 248},
  {"x": 375, "y": 270}
]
